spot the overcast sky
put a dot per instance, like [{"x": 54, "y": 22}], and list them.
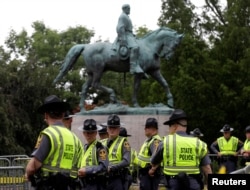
[{"x": 99, "y": 15}]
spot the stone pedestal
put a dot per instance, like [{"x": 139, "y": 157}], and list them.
[{"x": 134, "y": 123}]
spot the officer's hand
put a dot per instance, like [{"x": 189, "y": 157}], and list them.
[
  {"x": 82, "y": 172},
  {"x": 219, "y": 154},
  {"x": 151, "y": 172},
  {"x": 26, "y": 177}
]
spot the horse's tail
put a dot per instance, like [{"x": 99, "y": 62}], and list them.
[{"x": 69, "y": 61}]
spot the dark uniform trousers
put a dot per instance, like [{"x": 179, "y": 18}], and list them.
[
  {"x": 230, "y": 162},
  {"x": 148, "y": 182},
  {"x": 93, "y": 183},
  {"x": 117, "y": 180},
  {"x": 57, "y": 181},
  {"x": 190, "y": 182}
]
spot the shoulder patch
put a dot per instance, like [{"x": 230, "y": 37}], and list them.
[
  {"x": 127, "y": 145},
  {"x": 156, "y": 143},
  {"x": 38, "y": 142},
  {"x": 103, "y": 154}
]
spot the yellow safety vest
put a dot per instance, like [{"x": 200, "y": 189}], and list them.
[
  {"x": 246, "y": 145},
  {"x": 143, "y": 158},
  {"x": 64, "y": 154},
  {"x": 228, "y": 147},
  {"x": 115, "y": 150},
  {"x": 133, "y": 163},
  {"x": 89, "y": 157},
  {"x": 182, "y": 154}
]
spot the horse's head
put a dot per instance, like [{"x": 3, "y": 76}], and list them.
[{"x": 169, "y": 44}]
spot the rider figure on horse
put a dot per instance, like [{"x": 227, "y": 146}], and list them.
[{"x": 127, "y": 40}]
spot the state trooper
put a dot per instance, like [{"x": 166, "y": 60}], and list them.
[
  {"x": 133, "y": 173},
  {"x": 182, "y": 156},
  {"x": 227, "y": 148},
  {"x": 119, "y": 154},
  {"x": 94, "y": 164},
  {"x": 55, "y": 162},
  {"x": 245, "y": 151},
  {"x": 148, "y": 148}
]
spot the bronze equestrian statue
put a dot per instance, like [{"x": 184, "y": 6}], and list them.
[{"x": 100, "y": 57}]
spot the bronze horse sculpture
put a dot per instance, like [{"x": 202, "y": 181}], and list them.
[{"x": 100, "y": 57}]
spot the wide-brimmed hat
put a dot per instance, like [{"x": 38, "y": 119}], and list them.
[
  {"x": 176, "y": 115},
  {"x": 123, "y": 132},
  {"x": 68, "y": 115},
  {"x": 53, "y": 103},
  {"x": 226, "y": 128},
  {"x": 151, "y": 122},
  {"x": 247, "y": 129},
  {"x": 103, "y": 129},
  {"x": 89, "y": 125},
  {"x": 114, "y": 121},
  {"x": 196, "y": 133}
]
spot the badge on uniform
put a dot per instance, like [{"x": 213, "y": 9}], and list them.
[
  {"x": 127, "y": 146},
  {"x": 102, "y": 154}
]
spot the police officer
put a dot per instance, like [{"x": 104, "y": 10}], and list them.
[
  {"x": 245, "y": 151},
  {"x": 181, "y": 155},
  {"x": 58, "y": 156},
  {"x": 133, "y": 173},
  {"x": 148, "y": 148},
  {"x": 94, "y": 164},
  {"x": 102, "y": 132},
  {"x": 227, "y": 148},
  {"x": 119, "y": 154}
]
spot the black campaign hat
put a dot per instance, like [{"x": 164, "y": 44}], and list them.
[
  {"x": 151, "y": 122},
  {"x": 114, "y": 121},
  {"x": 226, "y": 128},
  {"x": 68, "y": 115},
  {"x": 123, "y": 132},
  {"x": 196, "y": 133},
  {"x": 103, "y": 129},
  {"x": 176, "y": 115},
  {"x": 53, "y": 103},
  {"x": 89, "y": 125},
  {"x": 247, "y": 129}
]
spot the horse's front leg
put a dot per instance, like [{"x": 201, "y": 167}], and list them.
[
  {"x": 137, "y": 84},
  {"x": 111, "y": 92},
  {"x": 85, "y": 88},
  {"x": 161, "y": 80}
]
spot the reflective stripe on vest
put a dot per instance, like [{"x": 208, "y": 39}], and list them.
[
  {"x": 89, "y": 157},
  {"x": 143, "y": 157},
  {"x": 62, "y": 156},
  {"x": 228, "y": 147},
  {"x": 115, "y": 150},
  {"x": 183, "y": 156}
]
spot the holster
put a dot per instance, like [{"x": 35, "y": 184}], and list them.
[{"x": 183, "y": 180}]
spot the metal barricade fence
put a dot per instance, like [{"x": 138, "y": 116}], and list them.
[
  {"x": 4, "y": 162},
  {"x": 12, "y": 178}
]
